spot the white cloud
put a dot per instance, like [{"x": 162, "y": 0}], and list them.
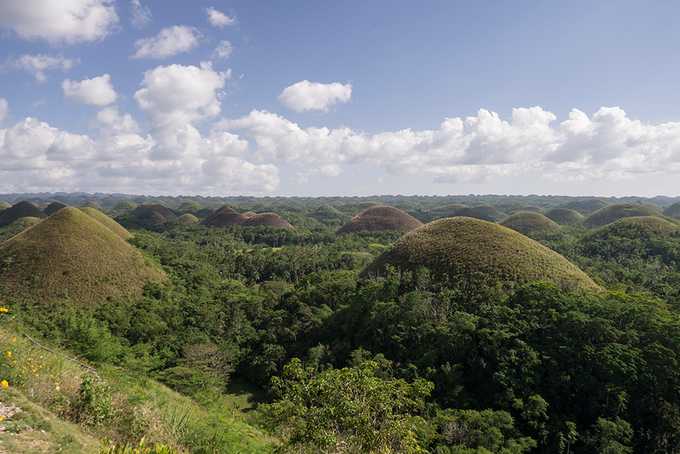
[
  {"x": 140, "y": 14},
  {"x": 97, "y": 91},
  {"x": 218, "y": 18},
  {"x": 63, "y": 21},
  {"x": 305, "y": 95},
  {"x": 223, "y": 50},
  {"x": 4, "y": 108},
  {"x": 39, "y": 64},
  {"x": 169, "y": 41},
  {"x": 176, "y": 95},
  {"x": 111, "y": 121}
]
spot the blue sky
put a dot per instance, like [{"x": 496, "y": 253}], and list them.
[{"x": 395, "y": 88}]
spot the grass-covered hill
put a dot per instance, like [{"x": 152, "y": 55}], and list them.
[
  {"x": 267, "y": 219},
  {"x": 585, "y": 206},
  {"x": 70, "y": 255},
  {"x": 18, "y": 211},
  {"x": 673, "y": 211},
  {"x": 565, "y": 216},
  {"x": 381, "y": 218},
  {"x": 465, "y": 250},
  {"x": 53, "y": 208},
  {"x": 188, "y": 219},
  {"x": 225, "y": 217},
  {"x": 444, "y": 211},
  {"x": 612, "y": 213},
  {"x": 483, "y": 212},
  {"x": 149, "y": 216},
  {"x": 17, "y": 227},
  {"x": 4, "y": 205},
  {"x": 108, "y": 222},
  {"x": 531, "y": 223},
  {"x": 328, "y": 214}
]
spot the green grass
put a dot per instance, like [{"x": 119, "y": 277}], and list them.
[
  {"x": 466, "y": 250},
  {"x": 381, "y": 218},
  {"x": 565, "y": 216},
  {"x": 636, "y": 227},
  {"x": 17, "y": 227},
  {"x": 45, "y": 382},
  {"x": 612, "y": 213},
  {"x": 531, "y": 223},
  {"x": 72, "y": 256}
]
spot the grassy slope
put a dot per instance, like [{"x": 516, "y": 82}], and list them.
[
  {"x": 71, "y": 255},
  {"x": 565, "y": 216},
  {"x": 42, "y": 383},
  {"x": 612, "y": 213},
  {"x": 462, "y": 247},
  {"x": 530, "y": 223},
  {"x": 381, "y": 218},
  {"x": 108, "y": 222}
]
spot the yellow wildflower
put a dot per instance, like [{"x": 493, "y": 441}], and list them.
[
  {"x": 3, "y": 310},
  {"x": 4, "y": 384},
  {"x": 8, "y": 354},
  {"x": 2, "y": 418}
]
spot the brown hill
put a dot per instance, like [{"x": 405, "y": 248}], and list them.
[
  {"x": 225, "y": 217},
  {"x": 18, "y": 211},
  {"x": 267, "y": 219},
  {"x": 531, "y": 223},
  {"x": 151, "y": 216},
  {"x": 72, "y": 256},
  {"x": 472, "y": 252},
  {"x": 108, "y": 222},
  {"x": 381, "y": 218}
]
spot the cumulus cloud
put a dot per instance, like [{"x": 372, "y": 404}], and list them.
[
  {"x": 4, "y": 108},
  {"x": 218, "y": 18},
  {"x": 169, "y": 41},
  {"x": 111, "y": 121},
  {"x": 305, "y": 95},
  {"x": 64, "y": 21},
  {"x": 140, "y": 14},
  {"x": 223, "y": 50},
  {"x": 37, "y": 65},
  {"x": 97, "y": 91}
]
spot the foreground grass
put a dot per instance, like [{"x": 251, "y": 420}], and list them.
[{"x": 61, "y": 413}]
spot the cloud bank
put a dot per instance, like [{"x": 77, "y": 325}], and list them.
[{"x": 305, "y": 95}]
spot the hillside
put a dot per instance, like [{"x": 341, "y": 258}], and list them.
[
  {"x": 673, "y": 211},
  {"x": 612, "y": 213},
  {"x": 17, "y": 227},
  {"x": 381, "y": 218},
  {"x": 72, "y": 256},
  {"x": 108, "y": 222},
  {"x": 585, "y": 206},
  {"x": 565, "y": 216},
  {"x": 464, "y": 249},
  {"x": 18, "y": 211},
  {"x": 266, "y": 219},
  {"x": 187, "y": 219},
  {"x": 150, "y": 216},
  {"x": 531, "y": 223},
  {"x": 483, "y": 212},
  {"x": 53, "y": 208},
  {"x": 224, "y": 217}
]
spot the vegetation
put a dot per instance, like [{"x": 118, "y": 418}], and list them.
[
  {"x": 485, "y": 213},
  {"x": 585, "y": 206},
  {"x": 461, "y": 336},
  {"x": 381, "y": 218},
  {"x": 107, "y": 222},
  {"x": 531, "y": 224},
  {"x": 188, "y": 219},
  {"x": 17, "y": 227}
]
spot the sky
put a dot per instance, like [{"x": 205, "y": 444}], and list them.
[{"x": 315, "y": 98}]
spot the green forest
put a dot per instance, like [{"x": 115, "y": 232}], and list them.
[{"x": 470, "y": 324}]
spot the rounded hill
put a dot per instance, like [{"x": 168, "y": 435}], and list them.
[
  {"x": 612, "y": 213},
  {"x": 108, "y": 222},
  {"x": 4, "y": 205},
  {"x": 585, "y": 206},
  {"x": 225, "y": 217},
  {"x": 472, "y": 252},
  {"x": 18, "y": 211},
  {"x": 72, "y": 256},
  {"x": 151, "y": 216},
  {"x": 483, "y": 212},
  {"x": 53, "y": 208},
  {"x": 637, "y": 227},
  {"x": 673, "y": 211},
  {"x": 187, "y": 219},
  {"x": 267, "y": 219},
  {"x": 381, "y": 218},
  {"x": 565, "y": 216},
  {"x": 17, "y": 227},
  {"x": 531, "y": 223}
]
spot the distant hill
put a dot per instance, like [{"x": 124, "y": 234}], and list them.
[
  {"x": 53, "y": 208},
  {"x": 18, "y": 211},
  {"x": 70, "y": 255},
  {"x": 612, "y": 213},
  {"x": 150, "y": 216},
  {"x": 187, "y": 219},
  {"x": 381, "y": 218},
  {"x": 531, "y": 223},
  {"x": 17, "y": 227},
  {"x": 565, "y": 216},
  {"x": 673, "y": 211},
  {"x": 267, "y": 219},
  {"x": 225, "y": 217},
  {"x": 585, "y": 206},
  {"x": 471, "y": 252},
  {"x": 483, "y": 212}
]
